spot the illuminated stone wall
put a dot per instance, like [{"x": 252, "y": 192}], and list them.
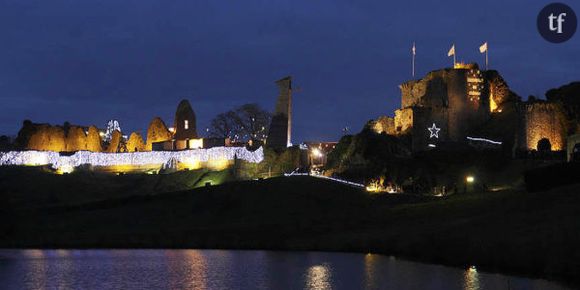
[
  {"x": 47, "y": 137},
  {"x": 135, "y": 143},
  {"x": 157, "y": 132},
  {"x": 94, "y": 143},
  {"x": 540, "y": 120},
  {"x": 384, "y": 124},
  {"x": 115, "y": 143},
  {"x": 75, "y": 139},
  {"x": 68, "y": 138},
  {"x": 403, "y": 120},
  {"x": 457, "y": 100},
  {"x": 430, "y": 91}
]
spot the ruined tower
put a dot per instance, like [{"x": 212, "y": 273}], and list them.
[
  {"x": 280, "y": 133},
  {"x": 451, "y": 101},
  {"x": 185, "y": 123}
]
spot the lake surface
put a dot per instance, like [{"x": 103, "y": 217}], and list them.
[{"x": 229, "y": 269}]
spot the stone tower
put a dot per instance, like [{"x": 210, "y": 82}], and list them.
[
  {"x": 280, "y": 134},
  {"x": 185, "y": 123}
]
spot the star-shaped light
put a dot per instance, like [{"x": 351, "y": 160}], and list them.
[{"x": 434, "y": 131}]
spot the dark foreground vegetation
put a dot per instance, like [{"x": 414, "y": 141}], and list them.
[{"x": 533, "y": 234}]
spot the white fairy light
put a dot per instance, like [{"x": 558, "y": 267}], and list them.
[
  {"x": 484, "y": 140},
  {"x": 57, "y": 161}
]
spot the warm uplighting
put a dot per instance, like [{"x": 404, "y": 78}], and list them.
[
  {"x": 190, "y": 164},
  {"x": 218, "y": 164},
  {"x": 378, "y": 185},
  {"x": 469, "y": 179},
  {"x": 492, "y": 104},
  {"x": 196, "y": 143},
  {"x": 65, "y": 169},
  {"x": 316, "y": 152}
]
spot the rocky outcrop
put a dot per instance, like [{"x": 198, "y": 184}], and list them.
[
  {"x": 94, "y": 140},
  {"x": 135, "y": 143},
  {"x": 157, "y": 132}
]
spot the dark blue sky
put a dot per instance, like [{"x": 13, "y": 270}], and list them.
[{"x": 90, "y": 61}]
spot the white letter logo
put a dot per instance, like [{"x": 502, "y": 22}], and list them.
[{"x": 558, "y": 19}]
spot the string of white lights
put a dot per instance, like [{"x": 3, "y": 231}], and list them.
[
  {"x": 133, "y": 159},
  {"x": 484, "y": 140},
  {"x": 326, "y": 177}
]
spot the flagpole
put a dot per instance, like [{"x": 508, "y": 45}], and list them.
[
  {"x": 486, "y": 50},
  {"x": 454, "y": 55},
  {"x": 413, "y": 60}
]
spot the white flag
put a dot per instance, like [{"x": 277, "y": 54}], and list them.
[
  {"x": 483, "y": 47},
  {"x": 451, "y": 51},
  {"x": 414, "y": 52}
]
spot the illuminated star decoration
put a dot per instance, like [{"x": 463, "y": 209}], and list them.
[{"x": 434, "y": 131}]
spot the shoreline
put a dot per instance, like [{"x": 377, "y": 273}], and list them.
[
  {"x": 458, "y": 266},
  {"x": 512, "y": 233}
]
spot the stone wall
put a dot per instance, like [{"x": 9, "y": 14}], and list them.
[
  {"x": 76, "y": 139},
  {"x": 500, "y": 93},
  {"x": 94, "y": 142},
  {"x": 430, "y": 91},
  {"x": 157, "y": 132},
  {"x": 423, "y": 120},
  {"x": 539, "y": 120},
  {"x": 135, "y": 143},
  {"x": 115, "y": 144},
  {"x": 384, "y": 124},
  {"x": 403, "y": 120},
  {"x": 46, "y": 138},
  {"x": 68, "y": 138}
]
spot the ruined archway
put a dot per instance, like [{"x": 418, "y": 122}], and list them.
[{"x": 544, "y": 145}]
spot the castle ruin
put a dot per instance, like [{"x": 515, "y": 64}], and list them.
[{"x": 465, "y": 104}]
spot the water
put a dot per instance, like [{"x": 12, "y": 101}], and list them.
[{"x": 227, "y": 269}]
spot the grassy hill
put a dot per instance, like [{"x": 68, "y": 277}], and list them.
[
  {"x": 22, "y": 187},
  {"x": 533, "y": 234}
]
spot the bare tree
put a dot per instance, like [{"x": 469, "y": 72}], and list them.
[
  {"x": 247, "y": 122},
  {"x": 224, "y": 125}
]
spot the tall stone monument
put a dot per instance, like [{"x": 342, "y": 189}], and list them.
[{"x": 280, "y": 134}]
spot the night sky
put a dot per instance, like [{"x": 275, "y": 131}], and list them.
[{"x": 89, "y": 61}]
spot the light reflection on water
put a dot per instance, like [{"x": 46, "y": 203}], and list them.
[
  {"x": 319, "y": 277},
  {"x": 225, "y": 269}
]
